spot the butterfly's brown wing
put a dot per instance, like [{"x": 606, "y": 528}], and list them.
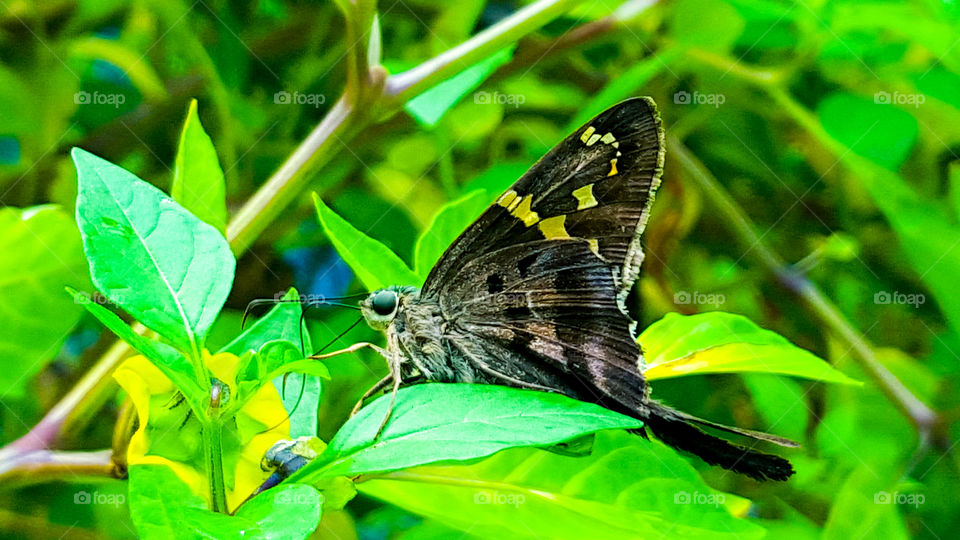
[
  {"x": 544, "y": 271},
  {"x": 533, "y": 292}
]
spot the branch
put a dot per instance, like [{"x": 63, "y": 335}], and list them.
[{"x": 921, "y": 415}]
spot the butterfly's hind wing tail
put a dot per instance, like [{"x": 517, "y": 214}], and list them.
[{"x": 677, "y": 430}]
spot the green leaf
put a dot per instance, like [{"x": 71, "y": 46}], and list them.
[
  {"x": 170, "y": 361},
  {"x": 718, "y": 32},
  {"x": 430, "y": 106},
  {"x": 40, "y": 252},
  {"x": 287, "y": 511},
  {"x": 198, "y": 183},
  {"x": 446, "y": 226},
  {"x": 162, "y": 506},
  {"x": 372, "y": 262},
  {"x": 627, "y": 488},
  {"x": 879, "y": 132},
  {"x": 718, "y": 342},
  {"x": 157, "y": 500},
  {"x": 148, "y": 255},
  {"x": 442, "y": 422},
  {"x": 281, "y": 322}
]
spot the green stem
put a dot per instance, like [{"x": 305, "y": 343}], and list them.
[
  {"x": 922, "y": 416},
  {"x": 406, "y": 85},
  {"x": 213, "y": 455}
]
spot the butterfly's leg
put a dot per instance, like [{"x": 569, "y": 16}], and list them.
[
  {"x": 381, "y": 384},
  {"x": 353, "y": 348},
  {"x": 393, "y": 397}
]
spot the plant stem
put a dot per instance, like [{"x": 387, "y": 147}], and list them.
[
  {"x": 410, "y": 83},
  {"x": 212, "y": 430},
  {"x": 921, "y": 415}
]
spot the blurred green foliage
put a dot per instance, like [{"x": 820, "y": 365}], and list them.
[{"x": 833, "y": 125}]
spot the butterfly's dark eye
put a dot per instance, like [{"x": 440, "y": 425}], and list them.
[{"x": 384, "y": 302}]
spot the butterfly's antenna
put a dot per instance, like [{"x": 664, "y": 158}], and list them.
[
  {"x": 303, "y": 381},
  {"x": 340, "y": 335},
  {"x": 322, "y": 301}
]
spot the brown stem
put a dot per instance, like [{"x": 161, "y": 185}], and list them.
[{"x": 923, "y": 417}]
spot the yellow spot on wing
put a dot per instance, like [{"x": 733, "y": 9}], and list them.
[
  {"x": 507, "y": 199},
  {"x": 587, "y": 133},
  {"x": 585, "y": 198},
  {"x": 593, "y": 139},
  {"x": 608, "y": 138},
  {"x": 523, "y": 212},
  {"x": 553, "y": 228},
  {"x": 613, "y": 167}
]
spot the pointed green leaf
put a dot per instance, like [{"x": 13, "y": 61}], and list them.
[
  {"x": 430, "y": 106},
  {"x": 171, "y": 362},
  {"x": 446, "y": 226},
  {"x": 281, "y": 322},
  {"x": 442, "y": 422},
  {"x": 627, "y": 488},
  {"x": 287, "y": 511},
  {"x": 198, "y": 183},
  {"x": 148, "y": 255},
  {"x": 374, "y": 263},
  {"x": 718, "y": 342}
]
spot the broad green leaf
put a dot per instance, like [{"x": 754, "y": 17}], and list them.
[
  {"x": 287, "y": 511},
  {"x": 163, "y": 506},
  {"x": 429, "y": 107},
  {"x": 40, "y": 252},
  {"x": 627, "y": 488},
  {"x": 718, "y": 342},
  {"x": 872, "y": 128},
  {"x": 443, "y": 422},
  {"x": 372, "y": 262},
  {"x": 148, "y": 255},
  {"x": 718, "y": 31},
  {"x": 198, "y": 183},
  {"x": 157, "y": 500},
  {"x": 170, "y": 361},
  {"x": 446, "y": 226}
]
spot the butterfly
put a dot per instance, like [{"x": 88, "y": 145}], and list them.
[{"x": 532, "y": 294}]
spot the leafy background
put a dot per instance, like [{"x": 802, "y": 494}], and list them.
[{"x": 812, "y": 186}]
